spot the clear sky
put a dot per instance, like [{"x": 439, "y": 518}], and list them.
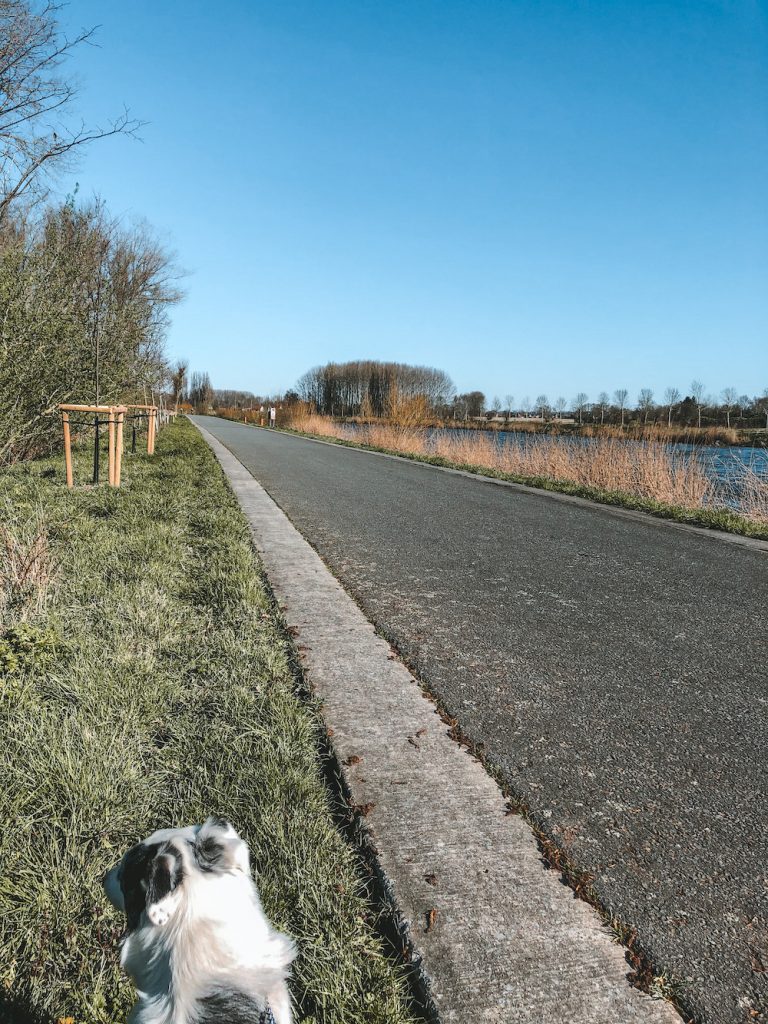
[{"x": 534, "y": 196}]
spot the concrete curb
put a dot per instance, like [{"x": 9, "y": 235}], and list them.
[{"x": 508, "y": 942}]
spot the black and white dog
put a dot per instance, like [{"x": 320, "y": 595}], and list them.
[{"x": 198, "y": 947}]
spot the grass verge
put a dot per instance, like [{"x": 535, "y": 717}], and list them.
[
  {"x": 145, "y": 680},
  {"x": 710, "y": 518}
]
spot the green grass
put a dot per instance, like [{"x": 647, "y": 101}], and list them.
[
  {"x": 154, "y": 687},
  {"x": 713, "y": 519}
]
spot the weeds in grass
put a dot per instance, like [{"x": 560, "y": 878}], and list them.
[
  {"x": 177, "y": 700},
  {"x": 27, "y": 567}
]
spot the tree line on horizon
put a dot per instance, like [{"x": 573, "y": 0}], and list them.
[{"x": 363, "y": 388}]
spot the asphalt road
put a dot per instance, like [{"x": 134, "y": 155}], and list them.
[{"x": 613, "y": 668}]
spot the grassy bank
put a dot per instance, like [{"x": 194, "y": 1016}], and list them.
[
  {"x": 644, "y": 477},
  {"x": 145, "y": 681}
]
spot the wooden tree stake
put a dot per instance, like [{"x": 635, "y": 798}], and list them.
[
  {"x": 67, "y": 449},
  {"x": 111, "y": 474},
  {"x": 119, "y": 446}
]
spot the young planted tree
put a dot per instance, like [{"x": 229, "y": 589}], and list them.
[
  {"x": 620, "y": 397},
  {"x": 645, "y": 402},
  {"x": 580, "y": 402},
  {"x": 671, "y": 398},
  {"x": 697, "y": 391},
  {"x": 560, "y": 406},
  {"x": 730, "y": 398},
  {"x": 542, "y": 405},
  {"x": 603, "y": 401},
  {"x": 509, "y": 401}
]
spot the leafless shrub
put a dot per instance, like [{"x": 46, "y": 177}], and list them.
[{"x": 27, "y": 568}]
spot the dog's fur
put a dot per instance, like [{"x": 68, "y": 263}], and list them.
[{"x": 198, "y": 947}]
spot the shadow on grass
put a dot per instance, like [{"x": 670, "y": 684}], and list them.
[{"x": 18, "y": 1011}]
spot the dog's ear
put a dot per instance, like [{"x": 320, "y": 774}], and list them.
[
  {"x": 132, "y": 878},
  {"x": 219, "y": 848},
  {"x": 149, "y": 876},
  {"x": 165, "y": 874}
]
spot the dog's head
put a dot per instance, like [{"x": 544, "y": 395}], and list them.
[{"x": 152, "y": 877}]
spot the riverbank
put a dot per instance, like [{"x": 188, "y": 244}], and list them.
[
  {"x": 644, "y": 476},
  {"x": 146, "y": 679},
  {"x": 725, "y": 437}
]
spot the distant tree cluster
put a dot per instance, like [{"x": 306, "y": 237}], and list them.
[
  {"x": 699, "y": 409},
  {"x": 372, "y": 388},
  {"x": 696, "y": 409},
  {"x": 228, "y": 398},
  {"x": 200, "y": 392}
]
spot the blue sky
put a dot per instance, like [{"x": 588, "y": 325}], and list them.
[{"x": 534, "y": 196}]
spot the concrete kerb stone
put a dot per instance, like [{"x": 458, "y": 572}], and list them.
[{"x": 508, "y": 942}]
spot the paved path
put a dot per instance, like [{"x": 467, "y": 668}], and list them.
[{"x": 613, "y": 668}]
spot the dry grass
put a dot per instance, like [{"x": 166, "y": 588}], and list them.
[
  {"x": 750, "y": 494},
  {"x": 644, "y": 467},
  {"x": 27, "y": 567}
]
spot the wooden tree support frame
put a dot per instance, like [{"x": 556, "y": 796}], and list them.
[
  {"x": 152, "y": 416},
  {"x": 115, "y": 415}
]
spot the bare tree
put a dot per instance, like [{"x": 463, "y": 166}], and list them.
[
  {"x": 697, "y": 390},
  {"x": 761, "y": 405},
  {"x": 560, "y": 406},
  {"x": 36, "y": 134},
  {"x": 730, "y": 398},
  {"x": 542, "y": 404},
  {"x": 178, "y": 380},
  {"x": 671, "y": 398},
  {"x": 525, "y": 404},
  {"x": 580, "y": 402},
  {"x": 509, "y": 401},
  {"x": 620, "y": 397},
  {"x": 645, "y": 402},
  {"x": 603, "y": 401}
]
